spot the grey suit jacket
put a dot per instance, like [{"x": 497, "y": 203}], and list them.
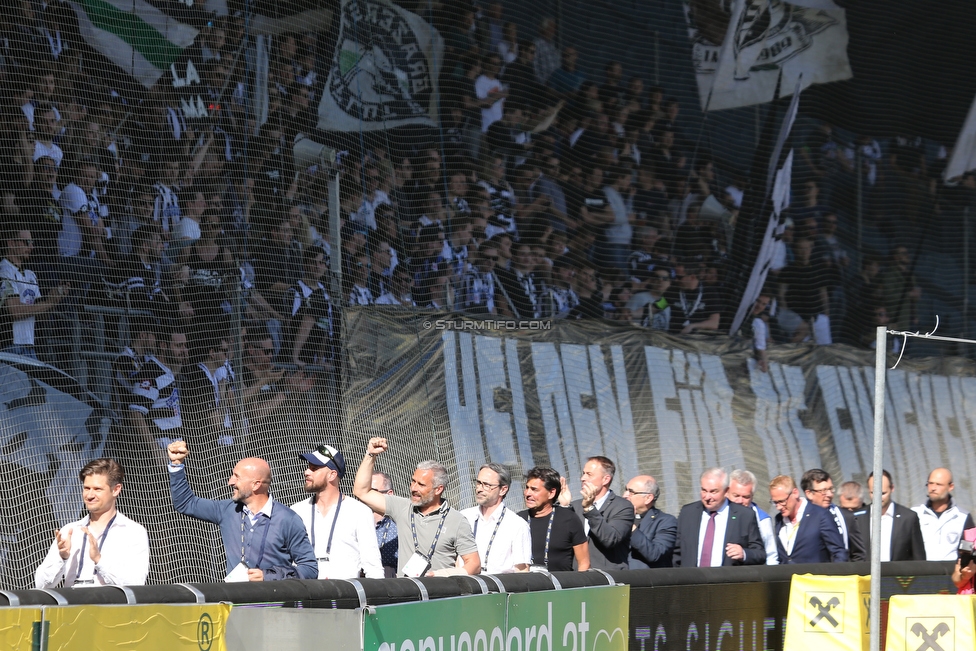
[{"x": 610, "y": 529}]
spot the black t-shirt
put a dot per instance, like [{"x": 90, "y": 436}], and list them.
[
  {"x": 693, "y": 306},
  {"x": 567, "y": 532},
  {"x": 804, "y": 283}
]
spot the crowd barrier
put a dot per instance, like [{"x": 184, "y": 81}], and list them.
[{"x": 716, "y": 608}]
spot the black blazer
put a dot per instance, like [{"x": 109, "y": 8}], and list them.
[
  {"x": 857, "y": 548},
  {"x": 652, "y": 542},
  {"x": 816, "y": 541},
  {"x": 907, "y": 543},
  {"x": 742, "y": 529},
  {"x": 610, "y": 529}
]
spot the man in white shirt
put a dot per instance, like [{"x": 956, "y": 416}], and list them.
[
  {"x": 104, "y": 547},
  {"x": 341, "y": 530},
  {"x": 20, "y": 295},
  {"x": 940, "y": 518},
  {"x": 504, "y": 541},
  {"x": 491, "y": 92}
]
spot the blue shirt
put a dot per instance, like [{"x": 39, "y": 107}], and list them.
[
  {"x": 386, "y": 536},
  {"x": 278, "y": 545}
]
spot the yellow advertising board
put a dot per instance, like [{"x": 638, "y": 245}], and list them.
[
  {"x": 19, "y": 627},
  {"x": 932, "y": 622},
  {"x": 158, "y": 627},
  {"x": 828, "y": 613}
]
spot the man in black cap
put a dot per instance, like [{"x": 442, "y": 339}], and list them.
[{"x": 341, "y": 529}]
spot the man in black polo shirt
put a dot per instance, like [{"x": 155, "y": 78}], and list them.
[{"x": 557, "y": 533}]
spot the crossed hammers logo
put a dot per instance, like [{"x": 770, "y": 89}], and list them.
[
  {"x": 824, "y": 610},
  {"x": 929, "y": 640}
]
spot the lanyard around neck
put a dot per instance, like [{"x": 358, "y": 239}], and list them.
[
  {"x": 101, "y": 541},
  {"x": 548, "y": 536},
  {"x": 493, "y": 533},
  {"x": 437, "y": 535},
  {"x": 335, "y": 518}
]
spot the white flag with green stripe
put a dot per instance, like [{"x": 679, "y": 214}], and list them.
[{"x": 136, "y": 36}]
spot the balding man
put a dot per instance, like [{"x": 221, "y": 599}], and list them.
[
  {"x": 713, "y": 531},
  {"x": 655, "y": 532},
  {"x": 264, "y": 539},
  {"x": 941, "y": 520}
]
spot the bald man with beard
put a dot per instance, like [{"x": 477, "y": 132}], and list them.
[{"x": 264, "y": 539}]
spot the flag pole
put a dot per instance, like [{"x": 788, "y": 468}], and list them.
[{"x": 878, "y": 474}]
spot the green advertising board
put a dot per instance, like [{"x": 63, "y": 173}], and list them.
[
  {"x": 581, "y": 619},
  {"x": 458, "y": 624}
]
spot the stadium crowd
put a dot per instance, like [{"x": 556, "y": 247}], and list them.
[{"x": 266, "y": 540}]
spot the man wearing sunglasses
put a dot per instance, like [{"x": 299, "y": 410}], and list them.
[
  {"x": 432, "y": 535},
  {"x": 655, "y": 533},
  {"x": 341, "y": 529}
]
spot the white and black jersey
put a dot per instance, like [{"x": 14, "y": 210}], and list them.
[
  {"x": 156, "y": 395},
  {"x": 564, "y": 299},
  {"x": 315, "y": 302},
  {"x": 360, "y": 295},
  {"x": 476, "y": 292}
]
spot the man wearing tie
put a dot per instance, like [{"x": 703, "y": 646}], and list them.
[
  {"x": 818, "y": 488},
  {"x": 805, "y": 532},
  {"x": 714, "y": 531}
]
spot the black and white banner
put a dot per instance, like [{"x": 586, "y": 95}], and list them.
[
  {"x": 741, "y": 48},
  {"x": 384, "y": 72}
]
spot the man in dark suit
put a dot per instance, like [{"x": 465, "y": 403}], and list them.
[
  {"x": 805, "y": 532},
  {"x": 607, "y": 518},
  {"x": 714, "y": 531},
  {"x": 653, "y": 537},
  {"x": 818, "y": 488},
  {"x": 901, "y": 535}
]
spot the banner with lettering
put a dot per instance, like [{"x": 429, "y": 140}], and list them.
[
  {"x": 468, "y": 392},
  {"x": 384, "y": 72}
]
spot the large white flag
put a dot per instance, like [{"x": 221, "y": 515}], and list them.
[
  {"x": 741, "y": 48},
  {"x": 384, "y": 72},
  {"x": 963, "y": 157}
]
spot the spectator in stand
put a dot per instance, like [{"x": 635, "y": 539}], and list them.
[
  {"x": 562, "y": 296},
  {"x": 522, "y": 297},
  {"x": 547, "y": 56},
  {"x": 138, "y": 353},
  {"x": 502, "y": 198},
  {"x": 612, "y": 93},
  {"x": 586, "y": 287},
  {"x": 277, "y": 263},
  {"x": 205, "y": 402},
  {"x": 166, "y": 211},
  {"x": 456, "y": 247},
  {"x": 265, "y": 391},
  {"x": 804, "y": 307},
  {"x": 508, "y": 45},
  {"x": 694, "y": 238},
  {"x": 83, "y": 230},
  {"x": 381, "y": 263},
  {"x": 651, "y": 308},
  {"x": 901, "y": 290},
  {"x": 490, "y": 91},
  {"x": 46, "y": 129},
  {"x": 546, "y": 192},
  {"x": 476, "y": 290},
  {"x": 613, "y": 245},
  {"x": 400, "y": 289},
  {"x": 313, "y": 326},
  {"x": 759, "y": 326},
  {"x": 139, "y": 277},
  {"x": 694, "y": 306},
  {"x": 566, "y": 79},
  {"x": 20, "y": 295},
  {"x": 154, "y": 406}
]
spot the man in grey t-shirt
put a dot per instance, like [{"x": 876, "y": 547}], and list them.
[{"x": 431, "y": 534}]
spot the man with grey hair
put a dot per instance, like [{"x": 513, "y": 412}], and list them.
[
  {"x": 742, "y": 488},
  {"x": 432, "y": 534},
  {"x": 655, "y": 532},
  {"x": 504, "y": 541},
  {"x": 714, "y": 531}
]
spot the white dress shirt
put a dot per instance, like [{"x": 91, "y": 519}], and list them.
[
  {"x": 124, "y": 561},
  {"x": 597, "y": 504},
  {"x": 841, "y": 524},
  {"x": 787, "y": 535},
  {"x": 512, "y": 544},
  {"x": 887, "y": 522},
  {"x": 718, "y": 544},
  {"x": 354, "y": 545}
]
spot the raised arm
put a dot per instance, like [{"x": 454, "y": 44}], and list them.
[
  {"x": 184, "y": 501},
  {"x": 362, "y": 485}
]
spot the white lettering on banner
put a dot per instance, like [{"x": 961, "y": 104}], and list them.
[
  {"x": 692, "y": 402},
  {"x": 465, "y": 425},
  {"x": 553, "y": 404},
  {"x": 849, "y": 419},
  {"x": 581, "y": 413},
  {"x": 790, "y": 447},
  {"x": 493, "y": 379},
  {"x": 192, "y": 76}
]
